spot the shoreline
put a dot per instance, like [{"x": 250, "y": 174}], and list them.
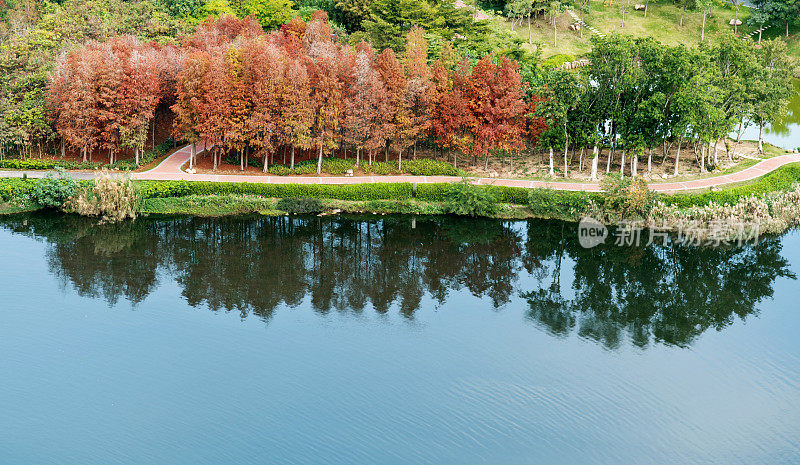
[{"x": 773, "y": 200}]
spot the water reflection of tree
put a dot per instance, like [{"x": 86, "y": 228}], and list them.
[
  {"x": 668, "y": 294},
  {"x": 255, "y": 265}
]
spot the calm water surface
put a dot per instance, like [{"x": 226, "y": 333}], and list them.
[{"x": 378, "y": 341}]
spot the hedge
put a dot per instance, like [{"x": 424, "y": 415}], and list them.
[
  {"x": 358, "y": 192},
  {"x": 781, "y": 179},
  {"x": 437, "y": 193},
  {"x": 12, "y": 188}
]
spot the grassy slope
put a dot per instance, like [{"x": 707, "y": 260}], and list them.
[{"x": 662, "y": 23}]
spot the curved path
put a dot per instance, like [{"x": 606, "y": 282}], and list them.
[{"x": 170, "y": 169}]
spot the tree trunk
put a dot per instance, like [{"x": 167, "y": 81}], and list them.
[
  {"x": 703, "y": 33},
  {"x": 566, "y": 162},
  {"x": 608, "y": 160},
  {"x": 595, "y": 159},
  {"x": 191, "y": 157},
  {"x": 84, "y": 154},
  {"x": 486, "y": 162},
  {"x": 62, "y": 148},
  {"x": 646, "y": 4},
  {"x": 678, "y": 155},
  {"x": 555, "y": 32},
  {"x": 761, "y": 138},
  {"x": 622, "y": 164},
  {"x": 552, "y": 171},
  {"x": 736, "y": 20},
  {"x": 683, "y": 13},
  {"x": 415, "y": 150},
  {"x": 703, "y": 158},
  {"x": 400, "y": 160},
  {"x": 650, "y": 161},
  {"x": 580, "y": 161},
  {"x": 634, "y": 164},
  {"x": 319, "y": 160},
  {"x": 292, "y": 159},
  {"x": 358, "y": 152},
  {"x": 716, "y": 149},
  {"x": 241, "y": 159},
  {"x": 529, "y": 28}
]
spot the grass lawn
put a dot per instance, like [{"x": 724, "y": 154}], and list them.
[{"x": 662, "y": 23}]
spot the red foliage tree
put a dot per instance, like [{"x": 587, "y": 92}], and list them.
[
  {"x": 420, "y": 91},
  {"x": 366, "y": 102}
]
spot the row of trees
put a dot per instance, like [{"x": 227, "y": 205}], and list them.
[
  {"x": 299, "y": 89},
  {"x": 247, "y": 92},
  {"x": 639, "y": 95}
]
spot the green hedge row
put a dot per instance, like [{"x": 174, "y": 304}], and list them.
[
  {"x": 13, "y": 188},
  {"x": 437, "y": 193},
  {"x": 359, "y": 192},
  {"x": 781, "y": 179},
  {"x": 39, "y": 164}
]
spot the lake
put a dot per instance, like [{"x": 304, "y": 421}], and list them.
[
  {"x": 382, "y": 340},
  {"x": 785, "y": 132}
]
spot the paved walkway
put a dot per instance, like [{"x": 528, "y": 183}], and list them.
[{"x": 170, "y": 169}]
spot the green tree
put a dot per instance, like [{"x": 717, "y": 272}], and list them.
[
  {"x": 270, "y": 13},
  {"x": 390, "y": 20},
  {"x": 783, "y": 11}
]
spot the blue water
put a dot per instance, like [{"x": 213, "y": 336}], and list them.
[{"x": 197, "y": 341}]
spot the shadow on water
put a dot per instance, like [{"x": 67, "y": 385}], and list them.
[{"x": 253, "y": 265}]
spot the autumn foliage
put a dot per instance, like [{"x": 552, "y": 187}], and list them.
[{"x": 295, "y": 90}]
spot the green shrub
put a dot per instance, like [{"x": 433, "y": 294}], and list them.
[
  {"x": 54, "y": 190},
  {"x": 306, "y": 167},
  {"x": 382, "y": 168},
  {"x": 15, "y": 188},
  {"x": 164, "y": 189},
  {"x": 37, "y": 164},
  {"x": 639, "y": 200},
  {"x": 358, "y": 192},
  {"x": 303, "y": 205},
  {"x": 428, "y": 167},
  {"x": 557, "y": 60},
  {"x": 337, "y": 165},
  {"x": 279, "y": 170},
  {"x": 466, "y": 199},
  {"x": 549, "y": 203},
  {"x": 779, "y": 180}
]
